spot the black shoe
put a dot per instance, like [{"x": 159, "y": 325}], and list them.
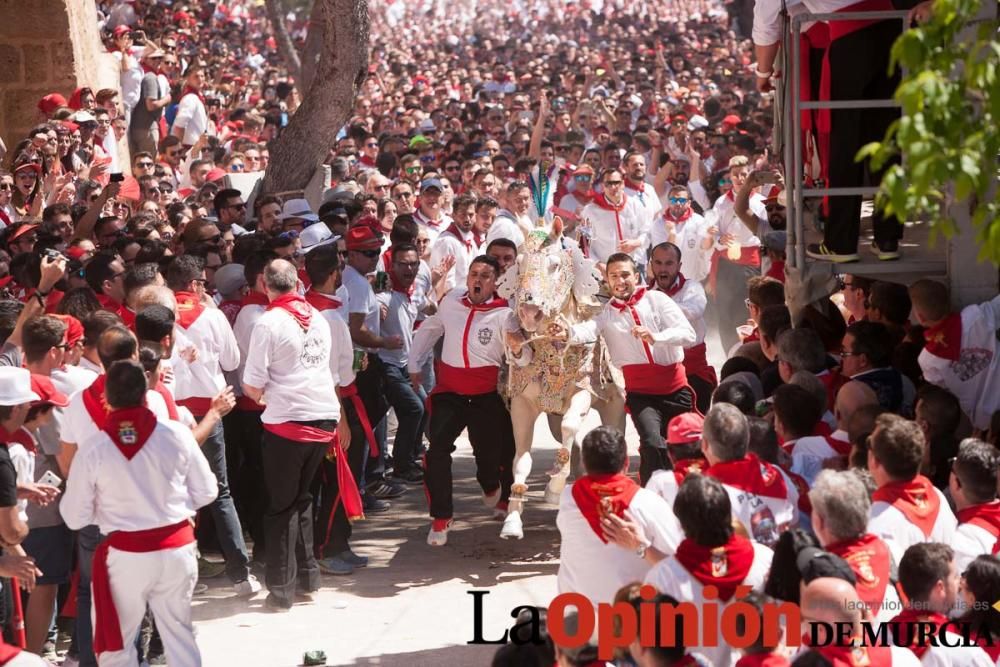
[
  {"x": 277, "y": 604},
  {"x": 410, "y": 476},
  {"x": 374, "y": 505},
  {"x": 384, "y": 489}
]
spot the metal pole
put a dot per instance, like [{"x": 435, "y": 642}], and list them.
[
  {"x": 792, "y": 184},
  {"x": 797, "y": 170}
]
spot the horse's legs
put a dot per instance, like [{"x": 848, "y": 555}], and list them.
[
  {"x": 572, "y": 421},
  {"x": 612, "y": 408},
  {"x": 523, "y": 415}
]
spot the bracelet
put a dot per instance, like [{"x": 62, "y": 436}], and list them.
[{"x": 763, "y": 75}]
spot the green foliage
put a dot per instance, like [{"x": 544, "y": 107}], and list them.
[{"x": 948, "y": 132}]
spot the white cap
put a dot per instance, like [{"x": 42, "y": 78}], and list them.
[
  {"x": 696, "y": 123},
  {"x": 315, "y": 236},
  {"x": 298, "y": 208},
  {"x": 15, "y": 387}
]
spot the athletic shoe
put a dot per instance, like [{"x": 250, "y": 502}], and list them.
[
  {"x": 210, "y": 569},
  {"x": 385, "y": 490},
  {"x": 277, "y": 604},
  {"x": 887, "y": 251},
  {"x": 412, "y": 476},
  {"x": 200, "y": 589},
  {"x": 490, "y": 499},
  {"x": 248, "y": 586},
  {"x": 821, "y": 252},
  {"x": 336, "y": 565},
  {"x": 352, "y": 558},
  {"x": 438, "y": 535},
  {"x": 374, "y": 505}
]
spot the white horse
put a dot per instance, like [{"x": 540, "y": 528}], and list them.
[{"x": 549, "y": 282}]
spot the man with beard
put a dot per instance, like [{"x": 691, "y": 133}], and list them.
[
  {"x": 430, "y": 212},
  {"x": 458, "y": 241},
  {"x": 513, "y": 221},
  {"x": 616, "y": 223},
  {"x": 645, "y": 332},
  {"x": 637, "y": 188},
  {"x": 687, "y": 230},
  {"x": 690, "y": 296}
]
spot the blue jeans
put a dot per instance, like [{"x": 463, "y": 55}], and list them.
[
  {"x": 227, "y": 522},
  {"x": 409, "y": 413}
]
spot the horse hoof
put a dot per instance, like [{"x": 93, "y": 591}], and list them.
[{"x": 512, "y": 528}]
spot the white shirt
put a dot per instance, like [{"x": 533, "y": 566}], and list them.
[
  {"x": 608, "y": 228},
  {"x": 433, "y": 227},
  {"x": 900, "y": 534},
  {"x": 295, "y": 368},
  {"x": 658, "y": 313},
  {"x": 598, "y": 569},
  {"x": 79, "y": 427},
  {"x": 402, "y": 311},
  {"x": 692, "y": 301},
  {"x": 975, "y": 377},
  {"x": 969, "y": 542},
  {"x": 696, "y": 262},
  {"x": 193, "y": 117},
  {"x": 24, "y": 466},
  {"x": 670, "y": 577},
  {"x": 342, "y": 350},
  {"x": 765, "y": 517},
  {"x": 463, "y": 249},
  {"x": 472, "y": 338},
  {"x": 648, "y": 201},
  {"x": 956, "y": 654},
  {"x": 729, "y": 223},
  {"x": 166, "y": 482},
  {"x": 246, "y": 319},
  {"x": 361, "y": 299},
  {"x": 767, "y": 16},
  {"x": 218, "y": 351},
  {"x": 808, "y": 455},
  {"x": 505, "y": 226}
]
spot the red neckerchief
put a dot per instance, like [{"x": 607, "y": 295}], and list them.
[
  {"x": 986, "y": 642},
  {"x": 762, "y": 660},
  {"x": 8, "y": 652},
  {"x": 168, "y": 398},
  {"x": 986, "y": 516},
  {"x": 147, "y": 69},
  {"x": 685, "y": 467},
  {"x": 294, "y": 305},
  {"x": 637, "y": 186},
  {"x": 600, "y": 495},
  {"x": 477, "y": 238},
  {"x": 752, "y": 475},
  {"x": 22, "y": 437},
  {"x": 870, "y": 560},
  {"x": 231, "y": 309},
  {"x": 916, "y": 499},
  {"x": 129, "y": 429},
  {"x": 630, "y": 303},
  {"x": 4, "y": 218},
  {"x": 321, "y": 302},
  {"x": 457, "y": 233},
  {"x": 189, "y": 308},
  {"x": 601, "y": 201},
  {"x": 95, "y": 402},
  {"x": 683, "y": 217},
  {"x": 731, "y": 196},
  {"x": 367, "y": 161},
  {"x": 911, "y": 616},
  {"x": 387, "y": 258},
  {"x": 396, "y": 287},
  {"x": 724, "y": 567},
  {"x": 109, "y": 304},
  {"x": 944, "y": 339},
  {"x": 188, "y": 90},
  {"x": 494, "y": 302},
  {"x": 853, "y": 656},
  {"x": 677, "y": 286},
  {"x": 841, "y": 447},
  {"x": 254, "y": 298}
]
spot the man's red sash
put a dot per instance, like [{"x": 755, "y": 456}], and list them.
[
  {"x": 600, "y": 495},
  {"x": 752, "y": 475},
  {"x": 107, "y": 628},
  {"x": 654, "y": 379},
  {"x": 917, "y": 499},
  {"x": 870, "y": 560},
  {"x": 350, "y": 392},
  {"x": 749, "y": 256},
  {"x": 696, "y": 364},
  {"x": 465, "y": 381}
]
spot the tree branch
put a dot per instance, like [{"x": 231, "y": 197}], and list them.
[{"x": 276, "y": 12}]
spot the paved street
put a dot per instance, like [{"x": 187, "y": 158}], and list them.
[{"x": 410, "y": 606}]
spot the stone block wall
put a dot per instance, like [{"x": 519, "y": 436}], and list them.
[{"x": 47, "y": 46}]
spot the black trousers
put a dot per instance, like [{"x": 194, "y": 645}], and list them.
[
  {"x": 244, "y": 434},
  {"x": 702, "y": 391},
  {"x": 371, "y": 389},
  {"x": 859, "y": 63},
  {"x": 289, "y": 469},
  {"x": 730, "y": 293},
  {"x": 492, "y": 438},
  {"x": 332, "y": 530},
  {"x": 650, "y": 414}
]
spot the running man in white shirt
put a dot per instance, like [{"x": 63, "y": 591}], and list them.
[
  {"x": 615, "y": 223},
  {"x": 141, "y": 480}
]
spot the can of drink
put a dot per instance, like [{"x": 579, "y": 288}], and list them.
[
  {"x": 381, "y": 281},
  {"x": 359, "y": 356}
]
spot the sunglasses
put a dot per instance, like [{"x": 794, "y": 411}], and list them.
[
  {"x": 611, "y": 184},
  {"x": 370, "y": 254},
  {"x": 6, "y": 186},
  {"x": 290, "y": 235},
  {"x": 414, "y": 170},
  {"x": 144, "y": 165},
  {"x": 678, "y": 200}
]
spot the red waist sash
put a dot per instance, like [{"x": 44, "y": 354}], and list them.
[
  {"x": 655, "y": 379},
  {"x": 107, "y": 628},
  {"x": 465, "y": 381},
  {"x": 749, "y": 256},
  {"x": 696, "y": 364}
]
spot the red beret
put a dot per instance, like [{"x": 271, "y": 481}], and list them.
[
  {"x": 362, "y": 237},
  {"x": 48, "y": 104}
]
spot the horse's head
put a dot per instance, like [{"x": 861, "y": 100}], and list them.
[{"x": 545, "y": 276}]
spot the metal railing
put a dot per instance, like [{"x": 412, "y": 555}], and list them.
[{"x": 796, "y": 192}]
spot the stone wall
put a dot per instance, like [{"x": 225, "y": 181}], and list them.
[{"x": 47, "y": 46}]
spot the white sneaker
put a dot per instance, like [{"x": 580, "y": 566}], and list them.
[
  {"x": 248, "y": 586},
  {"x": 438, "y": 535}
]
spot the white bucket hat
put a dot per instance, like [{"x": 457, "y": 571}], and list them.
[{"x": 15, "y": 386}]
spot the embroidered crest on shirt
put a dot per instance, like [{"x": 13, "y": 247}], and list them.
[
  {"x": 971, "y": 363},
  {"x": 485, "y": 335},
  {"x": 127, "y": 433}
]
